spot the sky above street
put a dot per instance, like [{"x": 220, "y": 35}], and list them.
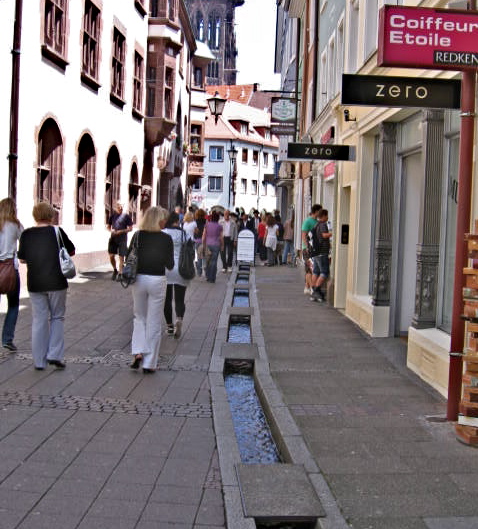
[{"x": 255, "y": 34}]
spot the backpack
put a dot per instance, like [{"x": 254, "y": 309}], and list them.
[
  {"x": 186, "y": 266},
  {"x": 314, "y": 241}
]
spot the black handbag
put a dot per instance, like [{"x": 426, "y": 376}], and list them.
[
  {"x": 131, "y": 263},
  {"x": 186, "y": 267}
]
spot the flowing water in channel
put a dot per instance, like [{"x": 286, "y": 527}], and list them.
[{"x": 254, "y": 438}]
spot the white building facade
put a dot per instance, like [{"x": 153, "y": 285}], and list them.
[{"x": 248, "y": 182}]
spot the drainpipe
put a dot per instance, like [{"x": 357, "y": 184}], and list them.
[
  {"x": 465, "y": 177},
  {"x": 14, "y": 100}
]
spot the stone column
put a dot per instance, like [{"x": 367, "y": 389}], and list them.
[
  {"x": 382, "y": 265},
  {"x": 430, "y": 220}
]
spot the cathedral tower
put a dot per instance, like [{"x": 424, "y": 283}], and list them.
[{"x": 213, "y": 24}]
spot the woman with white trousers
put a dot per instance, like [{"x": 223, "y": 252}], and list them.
[{"x": 155, "y": 255}]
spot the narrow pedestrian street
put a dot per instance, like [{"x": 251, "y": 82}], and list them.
[{"x": 100, "y": 446}]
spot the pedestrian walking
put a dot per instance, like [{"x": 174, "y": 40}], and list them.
[
  {"x": 229, "y": 233},
  {"x": 189, "y": 224},
  {"x": 155, "y": 255},
  {"x": 321, "y": 260},
  {"x": 119, "y": 224},
  {"x": 47, "y": 286},
  {"x": 288, "y": 242},
  {"x": 212, "y": 238},
  {"x": 270, "y": 239},
  {"x": 176, "y": 284},
  {"x": 200, "y": 218},
  {"x": 10, "y": 231}
]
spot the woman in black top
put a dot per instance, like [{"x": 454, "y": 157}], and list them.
[
  {"x": 46, "y": 285},
  {"x": 155, "y": 254}
]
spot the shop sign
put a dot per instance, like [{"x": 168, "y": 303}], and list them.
[
  {"x": 379, "y": 90},
  {"x": 283, "y": 116},
  {"x": 318, "y": 151},
  {"x": 416, "y": 37}
]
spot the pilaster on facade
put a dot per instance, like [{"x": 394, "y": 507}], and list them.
[
  {"x": 382, "y": 266},
  {"x": 429, "y": 235}
]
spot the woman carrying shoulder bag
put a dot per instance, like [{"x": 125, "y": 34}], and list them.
[
  {"x": 47, "y": 286},
  {"x": 155, "y": 255},
  {"x": 10, "y": 231}
]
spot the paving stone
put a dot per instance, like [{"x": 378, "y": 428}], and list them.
[{"x": 170, "y": 512}]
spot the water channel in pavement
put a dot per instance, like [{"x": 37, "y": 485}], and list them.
[
  {"x": 240, "y": 298},
  {"x": 239, "y": 330},
  {"x": 253, "y": 434}
]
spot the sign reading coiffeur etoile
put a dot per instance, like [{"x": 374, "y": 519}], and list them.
[
  {"x": 390, "y": 91},
  {"x": 417, "y": 37},
  {"x": 319, "y": 151}
]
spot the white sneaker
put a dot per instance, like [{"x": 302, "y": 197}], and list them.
[
  {"x": 306, "y": 290},
  {"x": 311, "y": 290},
  {"x": 229, "y": 269}
]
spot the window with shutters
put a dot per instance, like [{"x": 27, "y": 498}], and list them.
[
  {"x": 55, "y": 31},
  {"x": 85, "y": 181},
  {"x": 49, "y": 182},
  {"x": 138, "y": 84},
  {"x": 118, "y": 67},
  {"x": 113, "y": 181},
  {"x": 91, "y": 44}
]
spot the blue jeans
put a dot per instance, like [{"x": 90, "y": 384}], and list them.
[
  {"x": 211, "y": 268},
  {"x": 288, "y": 249},
  {"x": 13, "y": 299}
]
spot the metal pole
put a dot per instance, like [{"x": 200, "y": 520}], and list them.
[
  {"x": 14, "y": 102},
  {"x": 465, "y": 177}
]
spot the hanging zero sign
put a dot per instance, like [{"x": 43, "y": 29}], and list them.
[{"x": 415, "y": 37}]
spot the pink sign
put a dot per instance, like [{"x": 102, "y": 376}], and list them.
[{"x": 417, "y": 37}]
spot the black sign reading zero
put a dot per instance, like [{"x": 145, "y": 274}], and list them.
[
  {"x": 379, "y": 90},
  {"x": 319, "y": 151}
]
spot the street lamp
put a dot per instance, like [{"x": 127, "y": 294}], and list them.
[
  {"x": 232, "y": 152},
  {"x": 216, "y": 105}
]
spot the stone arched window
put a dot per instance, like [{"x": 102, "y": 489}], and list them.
[
  {"x": 113, "y": 182},
  {"x": 214, "y": 31},
  {"x": 85, "y": 181},
  {"x": 200, "y": 26},
  {"x": 133, "y": 193},
  {"x": 49, "y": 181}
]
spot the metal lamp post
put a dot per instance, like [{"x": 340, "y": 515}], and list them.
[{"x": 232, "y": 152}]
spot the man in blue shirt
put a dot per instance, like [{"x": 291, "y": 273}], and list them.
[{"x": 119, "y": 224}]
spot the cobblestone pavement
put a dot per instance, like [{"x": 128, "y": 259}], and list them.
[{"x": 98, "y": 445}]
